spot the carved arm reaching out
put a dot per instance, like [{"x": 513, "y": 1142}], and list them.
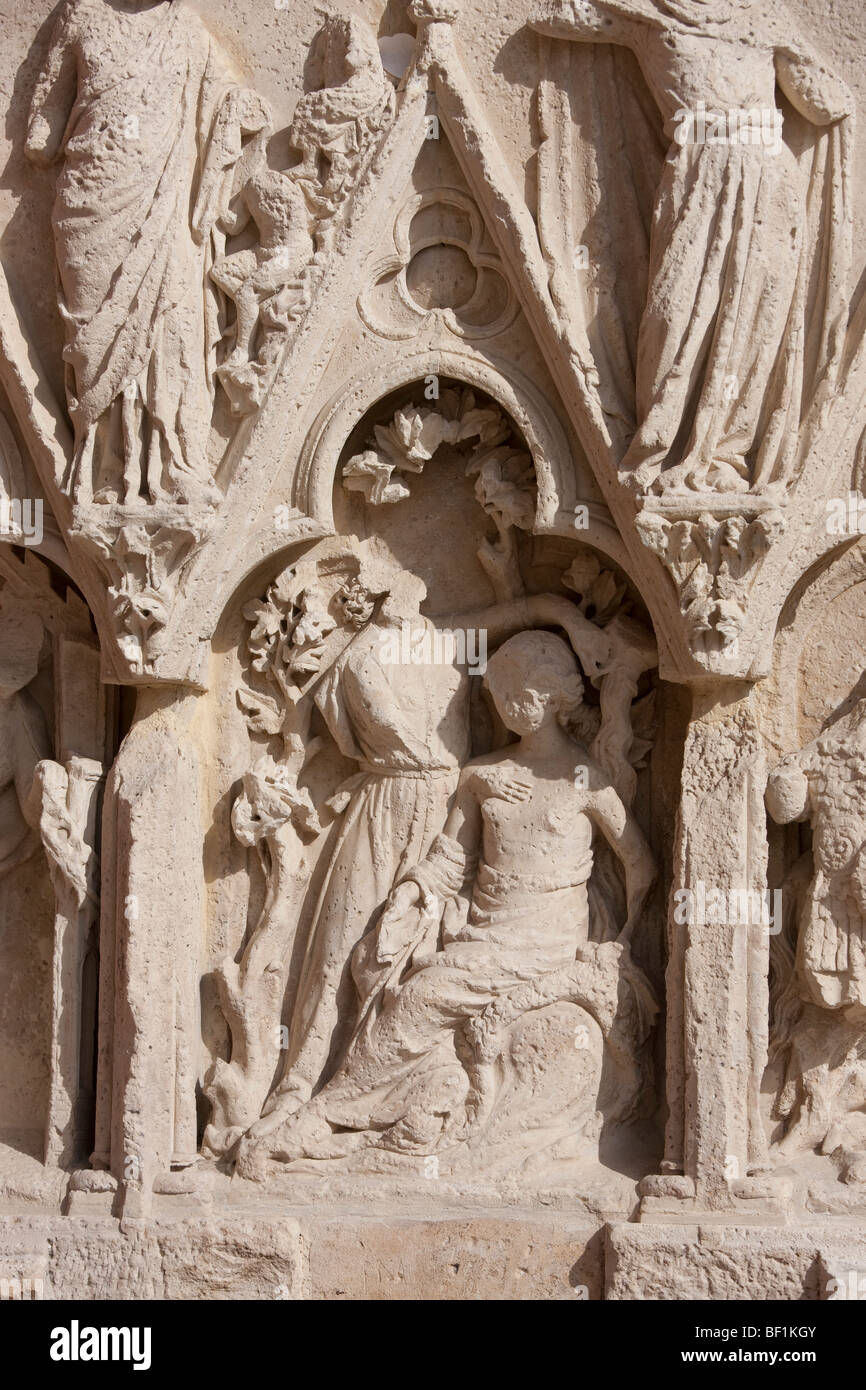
[
  {"x": 622, "y": 832},
  {"x": 502, "y": 620}
]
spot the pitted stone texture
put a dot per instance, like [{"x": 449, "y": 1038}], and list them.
[
  {"x": 228, "y": 1257},
  {"x": 339, "y": 347},
  {"x": 490, "y": 1257},
  {"x": 727, "y": 1263}
]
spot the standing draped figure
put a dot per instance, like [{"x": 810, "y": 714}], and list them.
[
  {"x": 135, "y": 98},
  {"x": 741, "y": 267}
]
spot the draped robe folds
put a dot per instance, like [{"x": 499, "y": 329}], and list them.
[
  {"x": 405, "y": 1063},
  {"x": 406, "y": 1083},
  {"x": 407, "y": 728},
  {"x": 712, "y": 308},
  {"x": 145, "y": 89}
]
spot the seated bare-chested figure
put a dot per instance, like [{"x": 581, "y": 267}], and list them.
[{"x": 418, "y": 1077}]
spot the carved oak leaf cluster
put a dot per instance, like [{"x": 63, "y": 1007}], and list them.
[
  {"x": 286, "y": 643},
  {"x": 599, "y": 594},
  {"x": 413, "y": 437},
  {"x": 713, "y": 564},
  {"x": 505, "y": 486},
  {"x": 503, "y": 470}
]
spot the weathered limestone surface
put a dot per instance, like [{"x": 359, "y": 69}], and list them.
[{"x": 432, "y": 696}]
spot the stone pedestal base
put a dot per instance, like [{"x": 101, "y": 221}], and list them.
[
  {"x": 269, "y": 1253},
  {"x": 719, "y": 1262}
]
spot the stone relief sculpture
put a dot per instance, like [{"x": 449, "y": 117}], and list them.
[
  {"x": 164, "y": 168},
  {"x": 143, "y": 562},
  {"x": 335, "y": 130},
  {"x": 337, "y": 126},
  {"x": 138, "y": 104},
  {"x": 51, "y": 805},
  {"x": 713, "y": 560},
  {"x": 438, "y": 1036},
  {"x": 449, "y": 420},
  {"x": 822, "y": 783},
  {"x": 253, "y": 278},
  {"x": 821, "y": 1012},
  {"x": 406, "y": 728},
  {"x": 38, "y": 796},
  {"x": 731, "y": 351}
]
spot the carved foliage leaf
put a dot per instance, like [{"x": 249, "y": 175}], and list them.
[
  {"x": 263, "y": 715},
  {"x": 415, "y": 434},
  {"x": 286, "y": 641},
  {"x": 599, "y": 594},
  {"x": 505, "y": 486}
]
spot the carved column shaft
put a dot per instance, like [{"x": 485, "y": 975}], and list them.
[
  {"x": 717, "y": 1037},
  {"x": 146, "y": 1120},
  {"x": 71, "y": 1089}
]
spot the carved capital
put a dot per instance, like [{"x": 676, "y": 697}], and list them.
[
  {"x": 712, "y": 556},
  {"x": 144, "y": 563}
]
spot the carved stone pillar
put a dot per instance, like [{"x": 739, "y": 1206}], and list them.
[
  {"x": 77, "y": 910},
  {"x": 149, "y": 1011},
  {"x": 718, "y": 960}
]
